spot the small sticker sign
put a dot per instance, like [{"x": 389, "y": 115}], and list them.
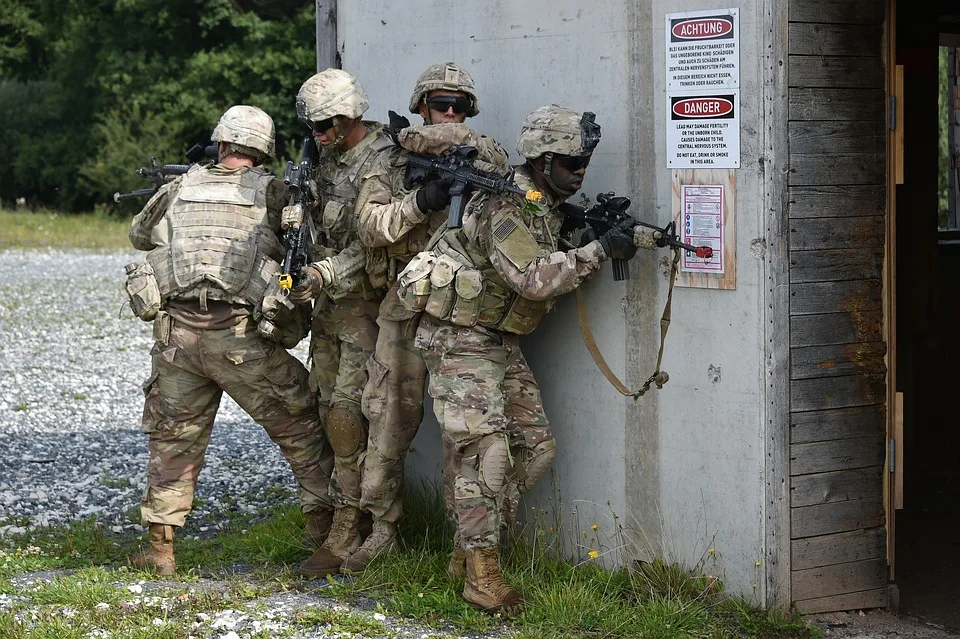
[
  {"x": 701, "y": 216},
  {"x": 703, "y": 50},
  {"x": 703, "y": 131}
]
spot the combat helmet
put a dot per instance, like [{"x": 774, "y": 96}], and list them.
[
  {"x": 330, "y": 93},
  {"x": 447, "y": 76},
  {"x": 248, "y": 130},
  {"x": 557, "y": 129}
]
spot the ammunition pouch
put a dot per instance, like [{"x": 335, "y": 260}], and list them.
[
  {"x": 142, "y": 290},
  {"x": 455, "y": 292}
]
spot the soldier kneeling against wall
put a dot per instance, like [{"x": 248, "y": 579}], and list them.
[{"x": 208, "y": 284}]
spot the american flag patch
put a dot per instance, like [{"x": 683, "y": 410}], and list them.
[{"x": 504, "y": 229}]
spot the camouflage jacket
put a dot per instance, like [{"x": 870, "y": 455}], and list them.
[
  {"x": 549, "y": 274},
  {"x": 387, "y": 210},
  {"x": 341, "y": 255}
]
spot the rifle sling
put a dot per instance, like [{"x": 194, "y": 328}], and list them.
[{"x": 658, "y": 377}]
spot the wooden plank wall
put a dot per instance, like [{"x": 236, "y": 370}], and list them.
[{"x": 837, "y": 140}]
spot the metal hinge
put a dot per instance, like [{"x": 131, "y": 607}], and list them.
[
  {"x": 893, "y": 455},
  {"x": 893, "y": 111}
]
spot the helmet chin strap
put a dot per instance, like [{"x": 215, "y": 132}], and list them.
[
  {"x": 340, "y": 131},
  {"x": 547, "y": 176}
]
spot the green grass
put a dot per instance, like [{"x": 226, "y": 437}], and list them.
[
  {"x": 41, "y": 229},
  {"x": 563, "y": 599}
]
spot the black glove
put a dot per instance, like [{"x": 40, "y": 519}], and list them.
[
  {"x": 618, "y": 244},
  {"x": 588, "y": 235},
  {"x": 435, "y": 195}
]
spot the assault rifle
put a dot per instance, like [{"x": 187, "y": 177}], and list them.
[
  {"x": 161, "y": 174},
  {"x": 611, "y": 211},
  {"x": 456, "y": 165},
  {"x": 296, "y": 236}
]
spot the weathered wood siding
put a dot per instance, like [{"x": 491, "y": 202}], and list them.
[{"x": 837, "y": 139}]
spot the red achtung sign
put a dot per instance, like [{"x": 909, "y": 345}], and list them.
[{"x": 702, "y": 28}]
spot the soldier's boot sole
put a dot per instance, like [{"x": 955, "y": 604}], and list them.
[
  {"x": 163, "y": 564},
  {"x": 320, "y": 564},
  {"x": 358, "y": 561}
]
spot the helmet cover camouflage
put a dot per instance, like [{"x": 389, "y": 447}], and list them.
[
  {"x": 447, "y": 76},
  {"x": 246, "y": 126},
  {"x": 557, "y": 129},
  {"x": 331, "y": 92}
]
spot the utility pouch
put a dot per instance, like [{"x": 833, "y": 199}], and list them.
[
  {"x": 162, "y": 325},
  {"x": 469, "y": 288},
  {"x": 142, "y": 290},
  {"x": 442, "y": 293},
  {"x": 413, "y": 283},
  {"x": 523, "y": 316}
]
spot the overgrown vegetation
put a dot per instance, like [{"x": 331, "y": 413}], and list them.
[
  {"x": 44, "y": 229},
  {"x": 91, "y": 89},
  {"x": 564, "y": 599}
]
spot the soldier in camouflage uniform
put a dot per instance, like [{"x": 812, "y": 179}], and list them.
[
  {"x": 400, "y": 221},
  {"x": 489, "y": 283},
  {"x": 214, "y": 247},
  {"x": 344, "y": 329}
]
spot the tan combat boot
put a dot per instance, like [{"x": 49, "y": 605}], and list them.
[
  {"x": 383, "y": 539},
  {"x": 316, "y": 528},
  {"x": 343, "y": 540},
  {"x": 484, "y": 586},
  {"x": 457, "y": 566},
  {"x": 159, "y": 556}
]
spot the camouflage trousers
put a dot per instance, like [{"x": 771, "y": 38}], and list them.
[
  {"x": 343, "y": 335},
  {"x": 191, "y": 369},
  {"x": 393, "y": 404},
  {"x": 490, "y": 410}
]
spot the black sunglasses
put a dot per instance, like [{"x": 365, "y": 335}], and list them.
[
  {"x": 441, "y": 103},
  {"x": 573, "y": 163},
  {"x": 318, "y": 127}
]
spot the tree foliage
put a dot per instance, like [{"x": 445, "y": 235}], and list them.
[{"x": 91, "y": 89}]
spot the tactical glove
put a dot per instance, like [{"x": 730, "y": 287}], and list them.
[
  {"x": 309, "y": 287},
  {"x": 434, "y": 196},
  {"x": 618, "y": 244},
  {"x": 646, "y": 238}
]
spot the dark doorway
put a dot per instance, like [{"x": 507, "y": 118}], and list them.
[{"x": 927, "y": 568}]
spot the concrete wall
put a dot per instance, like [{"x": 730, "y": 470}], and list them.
[{"x": 682, "y": 467}]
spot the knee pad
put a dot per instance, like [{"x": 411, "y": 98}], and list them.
[
  {"x": 345, "y": 431},
  {"x": 493, "y": 463},
  {"x": 536, "y": 461}
]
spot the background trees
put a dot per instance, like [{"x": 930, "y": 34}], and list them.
[{"x": 91, "y": 89}]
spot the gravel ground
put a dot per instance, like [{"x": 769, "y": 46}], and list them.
[
  {"x": 70, "y": 446},
  {"x": 71, "y": 372}
]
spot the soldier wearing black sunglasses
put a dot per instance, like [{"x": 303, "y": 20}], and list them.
[{"x": 401, "y": 220}]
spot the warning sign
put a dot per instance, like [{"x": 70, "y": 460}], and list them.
[
  {"x": 703, "y": 131},
  {"x": 701, "y": 212},
  {"x": 703, "y": 50}
]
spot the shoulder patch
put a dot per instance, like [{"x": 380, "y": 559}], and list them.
[{"x": 514, "y": 240}]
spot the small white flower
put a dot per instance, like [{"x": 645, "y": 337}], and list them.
[
  {"x": 158, "y": 622},
  {"x": 102, "y": 605},
  {"x": 379, "y": 617},
  {"x": 230, "y": 635},
  {"x": 135, "y": 589}
]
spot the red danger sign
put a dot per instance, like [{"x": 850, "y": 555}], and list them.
[
  {"x": 702, "y": 107},
  {"x": 704, "y": 28}
]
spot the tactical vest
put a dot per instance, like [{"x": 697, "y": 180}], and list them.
[
  {"x": 454, "y": 281},
  {"x": 337, "y": 188},
  {"x": 221, "y": 247}
]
